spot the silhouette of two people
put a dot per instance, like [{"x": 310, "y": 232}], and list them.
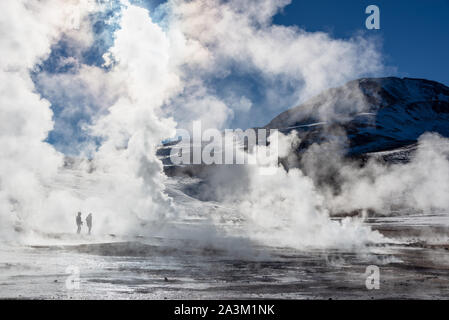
[{"x": 79, "y": 222}]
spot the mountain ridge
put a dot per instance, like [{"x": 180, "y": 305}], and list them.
[{"x": 376, "y": 114}]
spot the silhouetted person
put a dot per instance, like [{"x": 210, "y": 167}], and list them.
[
  {"x": 79, "y": 222},
  {"x": 89, "y": 221}
]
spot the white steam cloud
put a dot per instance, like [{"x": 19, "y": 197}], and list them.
[
  {"x": 421, "y": 184},
  {"x": 26, "y": 162},
  {"x": 155, "y": 80}
]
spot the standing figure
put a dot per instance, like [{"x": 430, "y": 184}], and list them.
[
  {"x": 79, "y": 222},
  {"x": 89, "y": 221}
]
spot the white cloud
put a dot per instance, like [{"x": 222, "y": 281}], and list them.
[
  {"x": 26, "y": 162},
  {"x": 157, "y": 70}
]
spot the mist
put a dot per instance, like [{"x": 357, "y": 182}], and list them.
[{"x": 155, "y": 77}]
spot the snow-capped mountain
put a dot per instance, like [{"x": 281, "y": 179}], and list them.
[
  {"x": 380, "y": 117},
  {"x": 375, "y": 114}
]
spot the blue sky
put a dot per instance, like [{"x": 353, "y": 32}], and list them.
[
  {"x": 414, "y": 36},
  {"x": 415, "y": 33}
]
